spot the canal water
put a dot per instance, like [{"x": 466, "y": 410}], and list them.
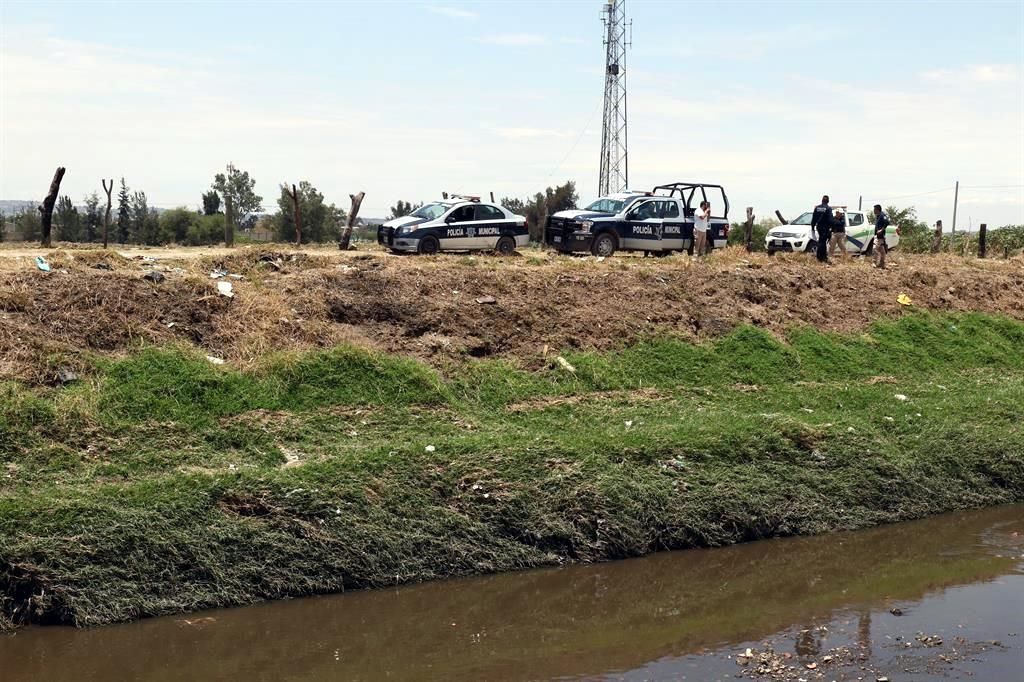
[{"x": 941, "y": 598}]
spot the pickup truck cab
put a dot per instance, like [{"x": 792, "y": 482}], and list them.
[
  {"x": 559, "y": 227},
  {"x": 860, "y": 233},
  {"x": 660, "y": 221}
]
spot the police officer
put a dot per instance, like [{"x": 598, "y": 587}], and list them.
[
  {"x": 822, "y": 223},
  {"x": 881, "y": 247}
]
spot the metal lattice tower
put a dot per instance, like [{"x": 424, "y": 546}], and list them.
[{"x": 614, "y": 160}]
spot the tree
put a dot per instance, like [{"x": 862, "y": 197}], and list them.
[
  {"x": 106, "y": 216},
  {"x": 211, "y": 203},
  {"x": 69, "y": 223},
  {"x": 145, "y": 224},
  {"x": 92, "y": 218},
  {"x": 915, "y": 236},
  {"x": 320, "y": 222},
  {"x": 29, "y": 225},
  {"x": 238, "y": 187},
  {"x": 124, "y": 213},
  {"x": 543, "y": 204},
  {"x": 174, "y": 225},
  {"x": 46, "y": 208},
  {"x": 402, "y": 208}
]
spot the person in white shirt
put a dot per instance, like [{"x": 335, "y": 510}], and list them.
[{"x": 700, "y": 227}]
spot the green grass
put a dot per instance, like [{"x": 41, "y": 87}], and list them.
[{"x": 164, "y": 483}]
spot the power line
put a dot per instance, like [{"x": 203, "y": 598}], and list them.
[
  {"x": 994, "y": 186},
  {"x": 919, "y": 194}
]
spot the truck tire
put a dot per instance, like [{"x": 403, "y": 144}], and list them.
[
  {"x": 604, "y": 245},
  {"x": 506, "y": 246},
  {"x": 429, "y": 246}
]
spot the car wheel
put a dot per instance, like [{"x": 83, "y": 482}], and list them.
[
  {"x": 506, "y": 246},
  {"x": 429, "y": 246},
  {"x": 604, "y": 245}
]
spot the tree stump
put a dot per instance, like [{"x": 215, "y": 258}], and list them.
[
  {"x": 350, "y": 221},
  {"x": 46, "y": 208}
]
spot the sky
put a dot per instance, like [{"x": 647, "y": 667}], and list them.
[{"x": 780, "y": 102}]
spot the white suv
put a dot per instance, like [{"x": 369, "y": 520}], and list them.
[{"x": 798, "y": 235}]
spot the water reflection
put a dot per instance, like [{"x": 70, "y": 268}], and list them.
[{"x": 546, "y": 624}]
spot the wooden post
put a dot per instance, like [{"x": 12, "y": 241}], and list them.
[
  {"x": 492, "y": 197},
  {"x": 956, "y": 199},
  {"x": 937, "y": 239},
  {"x": 46, "y": 208},
  {"x": 106, "y": 218},
  {"x": 781, "y": 219},
  {"x": 981, "y": 240},
  {"x": 229, "y": 220},
  {"x": 350, "y": 221},
  {"x": 748, "y": 232},
  {"x": 294, "y": 194}
]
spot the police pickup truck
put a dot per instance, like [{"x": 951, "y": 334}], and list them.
[
  {"x": 660, "y": 221},
  {"x": 798, "y": 235},
  {"x": 455, "y": 224}
]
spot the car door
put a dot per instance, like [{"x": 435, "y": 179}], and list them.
[
  {"x": 673, "y": 225},
  {"x": 643, "y": 226},
  {"x": 487, "y": 226},
  {"x": 456, "y": 224},
  {"x": 857, "y": 234}
]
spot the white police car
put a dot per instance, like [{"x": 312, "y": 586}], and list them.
[
  {"x": 455, "y": 224},
  {"x": 798, "y": 235}
]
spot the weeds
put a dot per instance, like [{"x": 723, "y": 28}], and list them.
[{"x": 163, "y": 483}]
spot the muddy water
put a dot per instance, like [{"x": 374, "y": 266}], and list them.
[{"x": 825, "y": 602}]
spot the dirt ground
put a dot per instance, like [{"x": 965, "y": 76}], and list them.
[{"x": 435, "y": 308}]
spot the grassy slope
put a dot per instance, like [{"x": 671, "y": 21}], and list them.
[{"x": 163, "y": 483}]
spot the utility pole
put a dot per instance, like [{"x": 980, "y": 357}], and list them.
[
  {"x": 614, "y": 175},
  {"x": 956, "y": 197}
]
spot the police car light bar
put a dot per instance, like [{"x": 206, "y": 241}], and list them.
[{"x": 466, "y": 197}]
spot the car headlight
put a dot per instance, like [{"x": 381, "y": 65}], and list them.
[
  {"x": 406, "y": 229},
  {"x": 584, "y": 226}
]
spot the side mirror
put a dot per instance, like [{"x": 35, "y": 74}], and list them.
[{"x": 450, "y": 219}]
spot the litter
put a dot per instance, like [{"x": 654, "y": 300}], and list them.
[
  {"x": 900, "y": 396},
  {"x": 154, "y": 276},
  {"x": 217, "y": 274},
  {"x": 565, "y": 364},
  {"x": 214, "y": 361},
  {"x": 42, "y": 264},
  {"x": 903, "y": 299},
  {"x": 225, "y": 289},
  {"x": 430, "y": 448},
  {"x": 103, "y": 265},
  {"x": 486, "y": 300}
]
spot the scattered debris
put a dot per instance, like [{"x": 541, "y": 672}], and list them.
[
  {"x": 486, "y": 300},
  {"x": 42, "y": 264},
  {"x": 225, "y": 289},
  {"x": 154, "y": 276},
  {"x": 900, "y": 396},
  {"x": 565, "y": 364},
  {"x": 218, "y": 274},
  {"x": 903, "y": 299},
  {"x": 66, "y": 375},
  {"x": 896, "y": 611},
  {"x": 214, "y": 360},
  {"x": 103, "y": 265},
  {"x": 430, "y": 448}
]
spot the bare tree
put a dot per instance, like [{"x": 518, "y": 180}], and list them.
[
  {"x": 106, "y": 218},
  {"x": 294, "y": 194},
  {"x": 350, "y": 221},
  {"x": 46, "y": 208}
]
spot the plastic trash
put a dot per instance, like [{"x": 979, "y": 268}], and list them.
[
  {"x": 154, "y": 276},
  {"x": 225, "y": 289},
  {"x": 42, "y": 264},
  {"x": 214, "y": 361},
  {"x": 903, "y": 299}
]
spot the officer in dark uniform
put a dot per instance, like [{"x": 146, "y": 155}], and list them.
[{"x": 821, "y": 222}]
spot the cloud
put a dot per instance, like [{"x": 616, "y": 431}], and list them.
[
  {"x": 976, "y": 73},
  {"x": 522, "y": 133},
  {"x": 512, "y": 39},
  {"x": 452, "y": 12}
]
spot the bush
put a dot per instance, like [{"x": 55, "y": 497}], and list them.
[{"x": 206, "y": 229}]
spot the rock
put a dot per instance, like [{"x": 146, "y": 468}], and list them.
[
  {"x": 66, "y": 375},
  {"x": 486, "y": 300}
]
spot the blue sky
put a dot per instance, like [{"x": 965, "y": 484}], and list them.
[{"x": 780, "y": 102}]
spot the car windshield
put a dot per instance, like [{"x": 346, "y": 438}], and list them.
[
  {"x": 804, "y": 219},
  {"x": 605, "y": 205},
  {"x": 430, "y": 211}
]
